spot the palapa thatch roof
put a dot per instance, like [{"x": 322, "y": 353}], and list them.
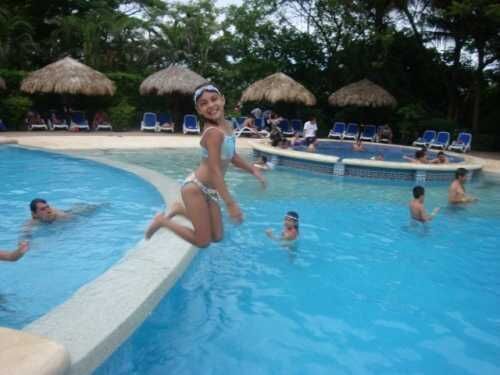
[
  {"x": 278, "y": 87},
  {"x": 363, "y": 93},
  {"x": 174, "y": 79},
  {"x": 3, "y": 86},
  {"x": 68, "y": 76}
]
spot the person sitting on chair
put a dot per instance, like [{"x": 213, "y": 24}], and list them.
[{"x": 100, "y": 118}]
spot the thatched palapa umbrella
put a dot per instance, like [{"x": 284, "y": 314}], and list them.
[
  {"x": 3, "y": 86},
  {"x": 278, "y": 87},
  {"x": 175, "y": 79},
  {"x": 68, "y": 76},
  {"x": 363, "y": 93}
]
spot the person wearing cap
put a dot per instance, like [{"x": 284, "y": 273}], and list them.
[
  {"x": 290, "y": 228},
  {"x": 205, "y": 187}
]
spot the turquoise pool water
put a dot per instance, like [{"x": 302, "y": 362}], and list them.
[
  {"x": 64, "y": 256},
  {"x": 363, "y": 291}
]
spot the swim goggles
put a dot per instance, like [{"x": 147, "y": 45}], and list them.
[
  {"x": 202, "y": 89},
  {"x": 293, "y": 218}
]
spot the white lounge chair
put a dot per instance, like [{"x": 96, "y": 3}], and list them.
[
  {"x": 190, "y": 125},
  {"x": 442, "y": 141},
  {"x": 337, "y": 130}
]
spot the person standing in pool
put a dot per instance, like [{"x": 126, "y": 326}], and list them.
[
  {"x": 417, "y": 209},
  {"x": 290, "y": 228},
  {"x": 12, "y": 256},
  {"x": 456, "y": 191},
  {"x": 205, "y": 187}
]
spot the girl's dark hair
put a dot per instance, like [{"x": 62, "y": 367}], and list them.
[{"x": 294, "y": 216}]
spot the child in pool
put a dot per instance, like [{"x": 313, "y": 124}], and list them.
[
  {"x": 290, "y": 228},
  {"x": 205, "y": 187}
]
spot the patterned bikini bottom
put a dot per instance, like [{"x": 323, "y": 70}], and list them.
[{"x": 208, "y": 192}]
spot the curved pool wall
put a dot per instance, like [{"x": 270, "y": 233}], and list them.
[
  {"x": 103, "y": 313},
  {"x": 366, "y": 168}
]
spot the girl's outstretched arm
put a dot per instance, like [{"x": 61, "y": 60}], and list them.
[{"x": 12, "y": 256}]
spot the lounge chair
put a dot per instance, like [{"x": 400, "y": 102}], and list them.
[
  {"x": 285, "y": 128},
  {"x": 351, "y": 132},
  {"x": 297, "y": 126},
  {"x": 337, "y": 130},
  {"x": 462, "y": 143},
  {"x": 442, "y": 141},
  {"x": 104, "y": 125},
  {"x": 149, "y": 121},
  {"x": 426, "y": 139},
  {"x": 78, "y": 121},
  {"x": 165, "y": 123},
  {"x": 57, "y": 121},
  {"x": 2, "y": 126},
  {"x": 37, "y": 124},
  {"x": 369, "y": 133},
  {"x": 260, "y": 125},
  {"x": 190, "y": 125},
  {"x": 242, "y": 129}
]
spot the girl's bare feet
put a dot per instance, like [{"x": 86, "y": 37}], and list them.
[
  {"x": 176, "y": 209},
  {"x": 156, "y": 224}
]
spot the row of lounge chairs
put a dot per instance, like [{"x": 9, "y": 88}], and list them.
[
  {"x": 441, "y": 141},
  {"x": 163, "y": 122},
  {"x": 342, "y": 131},
  {"x": 287, "y": 127},
  {"x": 77, "y": 121}
]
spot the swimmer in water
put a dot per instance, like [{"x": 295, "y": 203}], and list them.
[
  {"x": 417, "y": 209},
  {"x": 456, "y": 191},
  {"x": 290, "y": 228}
]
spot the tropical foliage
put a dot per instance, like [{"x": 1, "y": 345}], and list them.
[{"x": 440, "y": 56}]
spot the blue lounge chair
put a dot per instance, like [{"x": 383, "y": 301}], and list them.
[
  {"x": 190, "y": 125},
  {"x": 78, "y": 121},
  {"x": 337, "y": 130},
  {"x": 351, "y": 132},
  {"x": 297, "y": 126},
  {"x": 165, "y": 122},
  {"x": 462, "y": 143},
  {"x": 2, "y": 126},
  {"x": 149, "y": 121},
  {"x": 260, "y": 124},
  {"x": 285, "y": 128},
  {"x": 442, "y": 141},
  {"x": 369, "y": 133},
  {"x": 426, "y": 139}
]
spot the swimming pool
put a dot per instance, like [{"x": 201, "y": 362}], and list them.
[
  {"x": 64, "y": 256},
  {"x": 389, "y": 152},
  {"x": 363, "y": 291}
]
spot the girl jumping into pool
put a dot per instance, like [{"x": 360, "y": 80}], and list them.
[{"x": 205, "y": 187}]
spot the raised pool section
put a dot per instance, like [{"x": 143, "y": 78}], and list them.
[{"x": 344, "y": 164}]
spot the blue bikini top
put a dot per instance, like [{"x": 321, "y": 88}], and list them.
[{"x": 228, "y": 147}]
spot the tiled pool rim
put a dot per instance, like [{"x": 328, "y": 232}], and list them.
[
  {"x": 365, "y": 168},
  {"x": 102, "y": 314}
]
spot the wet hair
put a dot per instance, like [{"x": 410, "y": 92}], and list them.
[
  {"x": 440, "y": 153},
  {"x": 418, "y": 191},
  {"x": 34, "y": 203},
  {"x": 202, "y": 88},
  {"x": 293, "y": 216},
  {"x": 460, "y": 172},
  {"x": 264, "y": 158},
  {"x": 419, "y": 154}
]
